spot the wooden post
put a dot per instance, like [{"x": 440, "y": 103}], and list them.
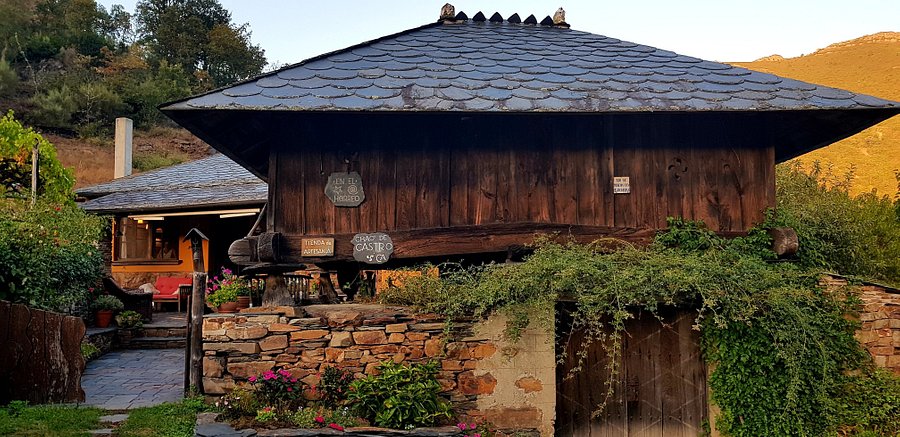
[
  {"x": 34, "y": 171},
  {"x": 194, "y": 348}
]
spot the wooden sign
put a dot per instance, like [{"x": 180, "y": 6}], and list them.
[
  {"x": 345, "y": 189},
  {"x": 621, "y": 185},
  {"x": 372, "y": 248},
  {"x": 317, "y": 247}
]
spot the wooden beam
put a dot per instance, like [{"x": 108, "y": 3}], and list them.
[{"x": 438, "y": 242}]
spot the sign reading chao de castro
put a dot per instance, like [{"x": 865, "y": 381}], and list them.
[
  {"x": 345, "y": 189},
  {"x": 372, "y": 248}
]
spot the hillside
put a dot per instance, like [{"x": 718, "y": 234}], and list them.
[
  {"x": 868, "y": 65},
  {"x": 160, "y": 147}
]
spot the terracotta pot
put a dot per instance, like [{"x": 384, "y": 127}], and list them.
[
  {"x": 228, "y": 307},
  {"x": 243, "y": 302},
  {"x": 103, "y": 318}
]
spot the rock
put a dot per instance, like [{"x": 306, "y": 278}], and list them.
[
  {"x": 483, "y": 351},
  {"x": 369, "y": 337},
  {"x": 428, "y": 327},
  {"x": 273, "y": 342},
  {"x": 434, "y": 347},
  {"x": 513, "y": 418},
  {"x": 309, "y": 334},
  {"x": 469, "y": 384},
  {"x": 396, "y": 327},
  {"x": 113, "y": 418},
  {"x": 244, "y": 348},
  {"x": 529, "y": 384},
  {"x": 219, "y": 429},
  {"x": 396, "y": 338},
  {"x": 213, "y": 367},
  {"x": 341, "y": 339},
  {"x": 417, "y": 336},
  {"x": 266, "y": 319},
  {"x": 205, "y": 418},
  {"x": 283, "y": 327},
  {"x": 247, "y": 332},
  {"x": 248, "y": 369},
  {"x": 215, "y": 386},
  {"x": 334, "y": 354}
]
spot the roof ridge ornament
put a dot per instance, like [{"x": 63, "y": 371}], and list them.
[
  {"x": 531, "y": 20},
  {"x": 479, "y": 17},
  {"x": 559, "y": 18},
  {"x": 496, "y": 18},
  {"x": 514, "y": 18},
  {"x": 448, "y": 13}
]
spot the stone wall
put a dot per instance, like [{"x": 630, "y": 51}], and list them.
[
  {"x": 511, "y": 385},
  {"x": 880, "y": 319}
]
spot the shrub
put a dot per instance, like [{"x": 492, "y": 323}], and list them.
[
  {"x": 55, "y": 108},
  {"x": 16, "y": 142},
  {"x": 129, "y": 320},
  {"x": 48, "y": 257},
  {"x": 400, "y": 396},
  {"x": 319, "y": 417},
  {"x": 9, "y": 79},
  {"x": 89, "y": 351},
  {"x": 239, "y": 402},
  {"x": 277, "y": 388},
  {"x": 107, "y": 303},
  {"x": 153, "y": 160},
  {"x": 850, "y": 235},
  {"x": 334, "y": 386}
]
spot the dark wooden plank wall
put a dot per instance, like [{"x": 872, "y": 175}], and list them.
[
  {"x": 548, "y": 171},
  {"x": 660, "y": 391},
  {"x": 40, "y": 355}
]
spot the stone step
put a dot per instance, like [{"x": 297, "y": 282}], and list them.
[
  {"x": 156, "y": 343},
  {"x": 164, "y": 332}
]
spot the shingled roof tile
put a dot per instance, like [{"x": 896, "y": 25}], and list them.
[{"x": 461, "y": 64}]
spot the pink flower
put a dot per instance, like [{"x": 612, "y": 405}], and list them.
[
  {"x": 461, "y": 426},
  {"x": 293, "y": 379},
  {"x": 320, "y": 419},
  {"x": 335, "y": 426},
  {"x": 268, "y": 374},
  {"x": 252, "y": 379},
  {"x": 290, "y": 389},
  {"x": 476, "y": 435},
  {"x": 472, "y": 426}
]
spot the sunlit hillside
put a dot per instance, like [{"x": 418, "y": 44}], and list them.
[{"x": 868, "y": 65}]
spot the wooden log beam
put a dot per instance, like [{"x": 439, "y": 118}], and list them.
[{"x": 438, "y": 242}]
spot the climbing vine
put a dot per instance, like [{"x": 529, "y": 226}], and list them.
[{"x": 785, "y": 359}]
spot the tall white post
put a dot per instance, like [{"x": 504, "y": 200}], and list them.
[{"x": 124, "y": 133}]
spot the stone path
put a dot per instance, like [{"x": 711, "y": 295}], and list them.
[{"x": 127, "y": 379}]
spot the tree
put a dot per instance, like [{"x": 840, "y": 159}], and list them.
[
  {"x": 16, "y": 142},
  {"x": 198, "y": 35}
]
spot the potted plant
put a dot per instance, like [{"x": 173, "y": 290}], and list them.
[
  {"x": 105, "y": 306},
  {"x": 228, "y": 289}
]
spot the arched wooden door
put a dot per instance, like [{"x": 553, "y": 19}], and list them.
[{"x": 660, "y": 390}]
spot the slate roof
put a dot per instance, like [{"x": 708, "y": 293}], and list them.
[
  {"x": 502, "y": 65},
  {"x": 216, "y": 181}
]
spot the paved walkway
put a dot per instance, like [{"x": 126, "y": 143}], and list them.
[{"x": 125, "y": 379}]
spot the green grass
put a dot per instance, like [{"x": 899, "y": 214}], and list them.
[
  {"x": 153, "y": 160},
  {"x": 48, "y": 420},
  {"x": 166, "y": 420}
]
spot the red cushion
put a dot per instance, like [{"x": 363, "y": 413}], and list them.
[{"x": 169, "y": 285}]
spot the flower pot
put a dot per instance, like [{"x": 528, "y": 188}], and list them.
[
  {"x": 228, "y": 307},
  {"x": 243, "y": 302},
  {"x": 103, "y": 318}
]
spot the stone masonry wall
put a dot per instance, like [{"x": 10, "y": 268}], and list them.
[
  {"x": 880, "y": 319},
  {"x": 511, "y": 386}
]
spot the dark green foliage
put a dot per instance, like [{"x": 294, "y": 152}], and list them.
[
  {"x": 400, "y": 396},
  {"x": 850, "y": 235},
  {"x": 55, "y": 182},
  {"x": 334, "y": 386},
  {"x": 780, "y": 344}
]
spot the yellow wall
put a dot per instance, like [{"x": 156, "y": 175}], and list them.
[{"x": 133, "y": 275}]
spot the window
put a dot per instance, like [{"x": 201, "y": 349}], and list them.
[{"x": 145, "y": 240}]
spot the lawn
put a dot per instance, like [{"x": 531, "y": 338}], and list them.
[
  {"x": 48, "y": 420},
  {"x": 166, "y": 420}
]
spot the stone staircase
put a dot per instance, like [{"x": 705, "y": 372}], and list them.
[{"x": 166, "y": 331}]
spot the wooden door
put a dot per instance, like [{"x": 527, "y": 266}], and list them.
[{"x": 661, "y": 386}]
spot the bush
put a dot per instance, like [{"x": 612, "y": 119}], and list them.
[
  {"x": 55, "y": 108},
  {"x": 400, "y": 396},
  {"x": 850, "y": 235},
  {"x": 107, "y": 303},
  {"x": 334, "y": 386},
  {"x": 129, "y": 320},
  {"x": 48, "y": 257},
  {"x": 277, "y": 388},
  {"x": 9, "y": 79},
  {"x": 16, "y": 142}
]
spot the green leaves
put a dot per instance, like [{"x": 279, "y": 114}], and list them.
[{"x": 400, "y": 396}]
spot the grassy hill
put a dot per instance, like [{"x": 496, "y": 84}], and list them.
[{"x": 867, "y": 65}]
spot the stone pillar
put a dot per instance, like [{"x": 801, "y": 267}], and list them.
[{"x": 124, "y": 133}]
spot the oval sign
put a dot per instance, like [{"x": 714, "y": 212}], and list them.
[
  {"x": 373, "y": 248},
  {"x": 345, "y": 189}
]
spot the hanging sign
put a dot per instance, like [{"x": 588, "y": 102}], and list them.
[
  {"x": 345, "y": 189},
  {"x": 621, "y": 185},
  {"x": 372, "y": 248},
  {"x": 317, "y": 247}
]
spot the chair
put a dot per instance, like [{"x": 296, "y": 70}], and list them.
[
  {"x": 134, "y": 300},
  {"x": 170, "y": 289}
]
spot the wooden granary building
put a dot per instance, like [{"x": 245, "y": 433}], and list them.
[
  {"x": 466, "y": 137},
  {"x": 469, "y": 135}
]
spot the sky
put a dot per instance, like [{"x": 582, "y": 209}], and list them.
[{"x": 719, "y": 30}]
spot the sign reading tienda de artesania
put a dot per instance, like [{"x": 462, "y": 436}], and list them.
[
  {"x": 372, "y": 248},
  {"x": 345, "y": 189},
  {"x": 317, "y": 247}
]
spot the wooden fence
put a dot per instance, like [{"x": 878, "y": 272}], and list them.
[{"x": 40, "y": 355}]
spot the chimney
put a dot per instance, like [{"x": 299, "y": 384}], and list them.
[
  {"x": 448, "y": 13},
  {"x": 124, "y": 127}
]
